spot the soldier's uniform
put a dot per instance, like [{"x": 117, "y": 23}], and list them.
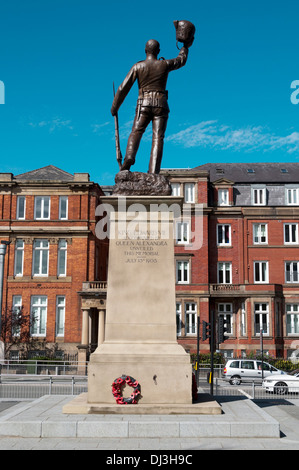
[{"x": 152, "y": 105}]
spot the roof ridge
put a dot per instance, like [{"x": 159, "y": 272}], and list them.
[{"x": 43, "y": 168}]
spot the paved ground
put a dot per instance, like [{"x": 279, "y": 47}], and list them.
[{"x": 286, "y": 412}]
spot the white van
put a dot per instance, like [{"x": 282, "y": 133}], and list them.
[{"x": 247, "y": 370}]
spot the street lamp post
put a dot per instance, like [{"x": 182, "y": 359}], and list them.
[
  {"x": 262, "y": 350},
  {"x": 3, "y": 247}
]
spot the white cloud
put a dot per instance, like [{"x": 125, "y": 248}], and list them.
[
  {"x": 223, "y": 137},
  {"x": 99, "y": 128},
  {"x": 54, "y": 124}
]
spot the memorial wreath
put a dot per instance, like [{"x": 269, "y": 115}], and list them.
[{"x": 117, "y": 389}]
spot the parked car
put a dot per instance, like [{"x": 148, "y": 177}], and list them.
[
  {"x": 282, "y": 385},
  {"x": 246, "y": 370}
]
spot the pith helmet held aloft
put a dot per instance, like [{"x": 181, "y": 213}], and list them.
[{"x": 185, "y": 31}]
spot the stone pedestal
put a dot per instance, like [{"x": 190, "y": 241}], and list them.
[{"x": 140, "y": 329}]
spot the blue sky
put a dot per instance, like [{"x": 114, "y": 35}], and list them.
[{"x": 231, "y": 102}]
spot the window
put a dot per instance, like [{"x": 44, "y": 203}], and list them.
[
  {"x": 291, "y": 271},
  {"x": 60, "y": 315},
  {"x": 260, "y": 234},
  {"x": 63, "y": 207},
  {"x": 223, "y": 197},
  {"x": 42, "y": 207},
  {"x": 261, "y": 272},
  {"x": 19, "y": 257},
  {"x": 249, "y": 365},
  {"x": 234, "y": 365},
  {"x": 191, "y": 318},
  {"x": 225, "y": 310},
  {"x": 292, "y": 196},
  {"x": 62, "y": 251},
  {"x": 292, "y": 311},
  {"x": 263, "y": 365},
  {"x": 223, "y": 234},
  {"x": 38, "y": 315},
  {"x": 182, "y": 272},
  {"x": 224, "y": 273},
  {"x": 16, "y": 312},
  {"x": 243, "y": 320},
  {"x": 261, "y": 318},
  {"x": 21, "y": 205},
  {"x": 176, "y": 189},
  {"x": 290, "y": 233},
  {"x": 179, "y": 319},
  {"x": 17, "y": 303},
  {"x": 189, "y": 192},
  {"x": 259, "y": 196},
  {"x": 40, "y": 257},
  {"x": 182, "y": 232}
]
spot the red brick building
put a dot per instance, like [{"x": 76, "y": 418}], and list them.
[
  {"x": 236, "y": 253},
  {"x": 247, "y": 268},
  {"x": 48, "y": 215}
]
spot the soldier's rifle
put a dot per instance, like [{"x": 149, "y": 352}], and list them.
[{"x": 119, "y": 157}]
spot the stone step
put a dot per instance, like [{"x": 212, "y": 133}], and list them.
[{"x": 44, "y": 418}]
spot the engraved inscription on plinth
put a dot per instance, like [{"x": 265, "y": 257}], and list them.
[{"x": 140, "y": 329}]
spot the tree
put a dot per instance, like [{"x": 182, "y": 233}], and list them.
[{"x": 16, "y": 327}]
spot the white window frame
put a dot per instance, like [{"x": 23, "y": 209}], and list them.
[
  {"x": 39, "y": 255},
  {"x": 291, "y": 241},
  {"x": 223, "y": 197},
  {"x": 60, "y": 315},
  {"x": 292, "y": 319},
  {"x": 21, "y": 216},
  {"x": 19, "y": 257},
  {"x": 62, "y": 258},
  {"x": 189, "y": 193},
  {"x": 182, "y": 233},
  {"x": 243, "y": 319},
  {"x": 42, "y": 199},
  {"x": 16, "y": 307},
  {"x": 259, "y": 196},
  {"x": 176, "y": 189},
  {"x": 259, "y": 311},
  {"x": 222, "y": 268},
  {"x": 257, "y": 234},
  {"x": 38, "y": 327},
  {"x": 225, "y": 309},
  {"x": 63, "y": 199},
  {"x": 179, "y": 319},
  {"x": 293, "y": 273},
  {"x": 263, "y": 276},
  {"x": 182, "y": 272},
  {"x": 190, "y": 318},
  {"x": 221, "y": 233},
  {"x": 292, "y": 196}
]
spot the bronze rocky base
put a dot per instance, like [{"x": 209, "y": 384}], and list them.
[{"x": 141, "y": 184}]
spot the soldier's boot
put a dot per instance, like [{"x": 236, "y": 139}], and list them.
[{"x": 128, "y": 162}]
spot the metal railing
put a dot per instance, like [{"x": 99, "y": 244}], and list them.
[
  {"x": 30, "y": 387},
  {"x": 249, "y": 389},
  {"x": 252, "y": 390},
  {"x": 204, "y": 369},
  {"x": 33, "y": 379},
  {"x": 43, "y": 367}
]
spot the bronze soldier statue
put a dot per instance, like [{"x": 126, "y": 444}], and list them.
[{"x": 152, "y": 104}]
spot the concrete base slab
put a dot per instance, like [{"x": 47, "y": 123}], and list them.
[
  {"x": 205, "y": 405},
  {"x": 43, "y": 418}
]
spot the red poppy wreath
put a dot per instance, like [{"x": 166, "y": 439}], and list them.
[{"x": 117, "y": 389}]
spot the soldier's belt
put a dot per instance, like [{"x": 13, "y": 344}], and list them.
[{"x": 153, "y": 98}]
